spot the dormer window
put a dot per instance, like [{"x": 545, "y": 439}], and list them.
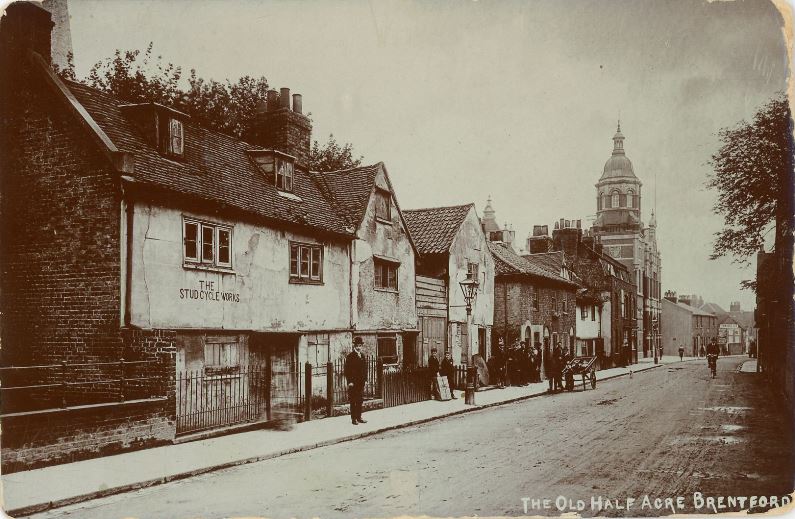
[
  {"x": 284, "y": 175},
  {"x": 175, "y": 137},
  {"x": 278, "y": 169},
  {"x": 162, "y": 126}
]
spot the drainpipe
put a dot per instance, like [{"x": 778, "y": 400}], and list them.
[
  {"x": 351, "y": 257},
  {"x": 130, "y": 215}
]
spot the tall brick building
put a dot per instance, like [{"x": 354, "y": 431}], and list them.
[{"x": 621, "y": 231}]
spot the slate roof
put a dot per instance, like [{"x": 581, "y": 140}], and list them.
[
  {"x": 694, "y": 310},
  {"x": 713, "y": 308},
  {"x": 508, "y": 262},
  {"x": 215, "y": 167},
  {"x": 434, "y": 229}
]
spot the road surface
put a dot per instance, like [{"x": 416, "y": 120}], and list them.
[{"x": 671, "y": 432}]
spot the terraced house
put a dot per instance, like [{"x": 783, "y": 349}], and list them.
[
  {"x": 155, "y": 271},
  {"x": 452, "y": 248}
]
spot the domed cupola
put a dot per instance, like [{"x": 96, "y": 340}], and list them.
[{"x": 618, "y": 165}]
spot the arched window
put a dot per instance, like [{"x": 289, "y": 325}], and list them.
[
  {"x": 599, "y": 202},
  {"x": 614, "y": 201},
  {"x": 631, "y": 202}
]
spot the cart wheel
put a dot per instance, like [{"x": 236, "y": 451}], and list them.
[{"x": 593, "y": 380}]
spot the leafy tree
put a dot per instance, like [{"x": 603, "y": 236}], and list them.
[
  {"x": 332, "y": 156},
  {"x": 227, "y": 107},
  {"x": 753, "y": 175}
]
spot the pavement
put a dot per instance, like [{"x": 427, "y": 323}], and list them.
[{"x": 41, "y": 489}]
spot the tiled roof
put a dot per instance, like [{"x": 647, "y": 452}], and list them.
[
  {"x": 508, "y": 262},
  {"x": 434, "y": 229},
  {"x": 550, "y": 261},
  {"x": 215, "y": 167},
  {"x": 349, "y": 190}
]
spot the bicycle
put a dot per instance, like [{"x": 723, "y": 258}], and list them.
[{"x": 712, "y": 362}]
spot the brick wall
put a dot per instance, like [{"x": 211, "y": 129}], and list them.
[
  {"x": 513, "y": 307},
  {"x": 64, "y": 436},
  {"x": 61, "y": 286}
]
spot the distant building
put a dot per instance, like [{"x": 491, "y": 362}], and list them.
[
  {"x": 619, "y": 228},
  {"x": 703, "y": 325},
  {"x": 493, "y": 231}
]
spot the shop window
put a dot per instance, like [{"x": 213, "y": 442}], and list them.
[
  {"x": 385, "y": 274},
  {"x": 207, "y": 244},
  {"x": 387, "y": 349},
  {"x": 306, "y": 263}
]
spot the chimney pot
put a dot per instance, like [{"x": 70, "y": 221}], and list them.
[
  {"x": 284, "y": 98},
  {"x": 297, "y": 103},
  {"x": 272, "y": 100}
]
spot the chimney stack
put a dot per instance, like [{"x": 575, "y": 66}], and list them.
[
  {"x": 540, "y": 241},
  {"x": 670, "y": 295},
  {"x": 567, "y": 238},
  {"x": 284, "y": 127},
  {"x": 25, "y": 26}
]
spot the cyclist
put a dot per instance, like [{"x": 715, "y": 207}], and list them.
[{"x": 712, "y": 356}]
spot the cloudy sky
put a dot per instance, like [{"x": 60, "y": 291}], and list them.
[{"x": 513, "y": 99}]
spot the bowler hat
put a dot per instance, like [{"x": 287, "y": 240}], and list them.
[{"x": 358, "y": 340}]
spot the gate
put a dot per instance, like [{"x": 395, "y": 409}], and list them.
[
  {"x": 216, "y": 398},
  {"x": 404, "y": 386}
]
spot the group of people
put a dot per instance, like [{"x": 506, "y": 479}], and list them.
[
  {"x": 445, "y": 369},
  {"x": 521, "y": 364}
]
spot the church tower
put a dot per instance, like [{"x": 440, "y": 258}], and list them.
[
  {"x": 619, "y": 228},
  {"x": 618, "y": 192}
]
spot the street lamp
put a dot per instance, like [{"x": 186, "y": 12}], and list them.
[{"x": 469, "y": 287}]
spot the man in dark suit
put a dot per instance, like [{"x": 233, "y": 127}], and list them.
[
  {"x": 356, "y": 375},
  {"x": 447, "y": 369}
]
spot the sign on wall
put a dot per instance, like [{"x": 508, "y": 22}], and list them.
[{"x": 206, "y": 291}]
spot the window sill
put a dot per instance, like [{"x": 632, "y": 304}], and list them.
[
  {"x": 297, "y": 281},
  {"x": 207, "y": 268},
  {"x": 383, "y": 220},
  {"x": 390, "y": 290}
]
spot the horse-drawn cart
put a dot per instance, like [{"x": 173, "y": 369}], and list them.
[{"x": 583, "y": 366}]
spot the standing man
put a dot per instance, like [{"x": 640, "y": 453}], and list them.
[
  {"x": 356, "y": 375},
  {"x": 681, "y": 352},
  {"x": 447, "y": 370},
  {"x": 433, "y": 369},
  {"x": 559, "y": 364}
]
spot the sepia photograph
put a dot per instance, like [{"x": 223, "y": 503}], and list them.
[{"x": 381, "y": 258}]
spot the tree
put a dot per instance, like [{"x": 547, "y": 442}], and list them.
[
  {"x": 753, "y": 175},
  {"x": 332, "y": 156},
  {"x": 227, "y": 107}
]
